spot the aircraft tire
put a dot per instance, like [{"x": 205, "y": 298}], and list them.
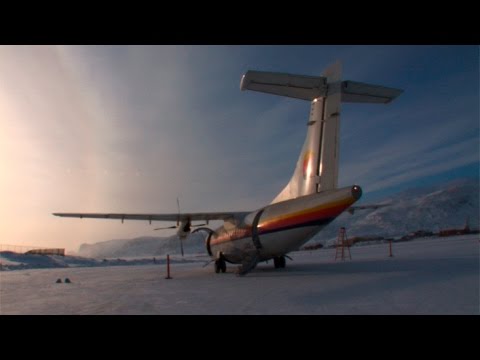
[
  {"x": 279, "y": 262},
  {"x": 220, "y": 265}
]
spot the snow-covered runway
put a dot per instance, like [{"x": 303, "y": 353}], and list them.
[{"x": 430, "y": 276}]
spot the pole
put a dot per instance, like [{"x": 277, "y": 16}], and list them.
[
  {"x": 168, "y": 267},
  {"x": 391, "y": 255}
]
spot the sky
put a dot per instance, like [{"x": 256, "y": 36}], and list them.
[{"x": 131, "y": 128}]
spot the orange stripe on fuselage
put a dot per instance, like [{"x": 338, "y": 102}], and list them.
[
  {"x": 304, "y": 216},
  {"x": 231, "y": 235}
]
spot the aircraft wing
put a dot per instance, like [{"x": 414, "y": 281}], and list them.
[
  {"x": 158, "y": 217},
  {"x": 352, "y": 209}
]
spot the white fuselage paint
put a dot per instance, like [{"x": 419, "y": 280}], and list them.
[{"x": 282, "y": 227}]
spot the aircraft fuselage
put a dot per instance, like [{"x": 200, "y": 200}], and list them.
[{"x": 279, "y": 228}]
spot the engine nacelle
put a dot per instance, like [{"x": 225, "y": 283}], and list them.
[
  {"x": 207, "y": 239},
  {"x": 184, "y": 229}
]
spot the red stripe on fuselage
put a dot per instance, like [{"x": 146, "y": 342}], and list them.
[{"x": 316, "y": 214}]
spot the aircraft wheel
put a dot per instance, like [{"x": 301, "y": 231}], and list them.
[
  {"x": 220, "y": 265},
  {"x": 279, "y": 262}
]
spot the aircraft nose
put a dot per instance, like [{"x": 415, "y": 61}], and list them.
[{"x": 356, "y": 192}]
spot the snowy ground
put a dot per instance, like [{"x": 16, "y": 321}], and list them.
[
  {"x": 431, "y": 276},
  {"x": 10, "y": 261}
]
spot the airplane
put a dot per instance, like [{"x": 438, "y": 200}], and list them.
[{"x": 309, "y": 201}]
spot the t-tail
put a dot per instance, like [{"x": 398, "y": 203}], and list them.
[{"x": 317, "y": 166}]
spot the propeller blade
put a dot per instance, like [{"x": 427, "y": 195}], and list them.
[
  {"x": 181, "y": 246},
  {"x": 178, "y": 208},
  {"x": 165, "y": 228},
  {"x": 197, "y": 225}
]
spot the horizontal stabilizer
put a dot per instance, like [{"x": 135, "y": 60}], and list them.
[
  {"x": 357, "y": 92},
  {"x": 312, "y": 87},
  {"x": 295, "y": 86}
]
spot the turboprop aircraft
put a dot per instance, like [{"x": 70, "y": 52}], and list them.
[{"x": 310, "y": 200}]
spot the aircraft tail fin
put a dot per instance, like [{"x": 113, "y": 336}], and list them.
[{"x": 317, "y": 167}]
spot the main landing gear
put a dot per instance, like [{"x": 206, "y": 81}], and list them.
[
  {"x": 220, "y": 264},
  {"x": 279, "y": 262}
]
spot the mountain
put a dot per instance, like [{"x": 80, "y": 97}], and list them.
[
  {"x": 144, "y": 246},
  {"x": 434, "y": 208}
]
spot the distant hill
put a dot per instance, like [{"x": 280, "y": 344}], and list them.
[
  {"x": 144, "y": 246},
  {"x": 432, "y": 209}
]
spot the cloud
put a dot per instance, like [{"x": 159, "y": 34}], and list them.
[
  {"x": 433, "y": 163},
  {"x": 414, "y": 152}
]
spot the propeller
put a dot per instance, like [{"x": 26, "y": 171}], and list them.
[{"x": 186, "y": 227}]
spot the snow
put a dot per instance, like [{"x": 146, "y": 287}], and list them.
[
  {"x": 14, "y": 261},
  {"x": 425, "y": 276},
  {"x": 432, "y": 208}
]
